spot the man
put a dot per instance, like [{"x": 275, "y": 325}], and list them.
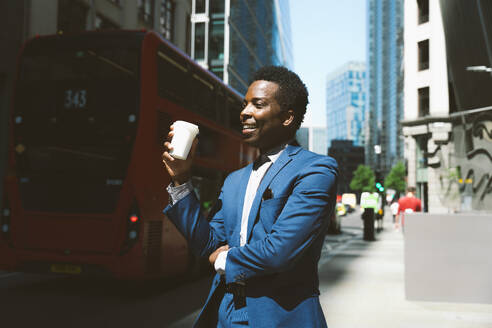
[
  {"x": 408, "y": 204},
  {"x": 267, "y": 232}
]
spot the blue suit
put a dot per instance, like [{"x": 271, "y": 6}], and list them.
[{"x": 286, "y": 229}]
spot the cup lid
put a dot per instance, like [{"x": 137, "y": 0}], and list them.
[{"x": 187, "y": 125}]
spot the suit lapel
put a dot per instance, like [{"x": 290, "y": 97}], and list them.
[
  {"x": 283, "y": 160},
  {"x": 243, "y": 184}
]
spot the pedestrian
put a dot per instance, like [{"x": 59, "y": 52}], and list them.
[
  {"x": 394, "y": 209},
  {"x": 267, "y": 228},
  {"x": 408, "y": 204}
]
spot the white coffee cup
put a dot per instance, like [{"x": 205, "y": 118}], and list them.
[{"x": 184, "y": 134}]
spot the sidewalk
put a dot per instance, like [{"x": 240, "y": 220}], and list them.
[{"x": 362, "y": 286}]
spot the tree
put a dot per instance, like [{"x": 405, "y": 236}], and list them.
[
  {"x": 363, "y": 180},
  {"x": 396, "y": 178}
]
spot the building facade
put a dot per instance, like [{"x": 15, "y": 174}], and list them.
[
  {"x": 233, "y": 38},
  {"x": 313, "y": 139},
  {"x": 426, "y": 97},
  {"x": 302, "y": 137},
  {"x": 345, "y": 103},
  {"x": 448, "y": 113},
  {"x": 384, "y": 146},
  {"x": 348, "y": 157}
]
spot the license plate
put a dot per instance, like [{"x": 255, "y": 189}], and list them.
[{"x": 66, "y": 268}]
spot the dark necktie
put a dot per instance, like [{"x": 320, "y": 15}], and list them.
[{"x": 260, "y": 161}]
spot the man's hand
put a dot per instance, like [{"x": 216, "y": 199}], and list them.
[
  {"x": 213, "y": 257},
  {"x": 178, "y": 169}
]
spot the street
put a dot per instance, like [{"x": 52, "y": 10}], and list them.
[{"x": 73, "y": 301}]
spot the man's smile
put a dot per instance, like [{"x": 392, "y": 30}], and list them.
[{"x": 249, "y": 128}]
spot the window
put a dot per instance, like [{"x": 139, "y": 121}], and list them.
[
  {"x": 217, "y": 7},
  {"x": 199, "y": 41},
  {"x": 423, "y": 55},
  {"x": 423, "y": 11},
  {"x": 216, "y": 43},
  {"x": 172, "y": 77},
  {"x": 423, "y": 94},
  {"x": 72, "y": 16},
  {"x": 200, "y": 6},
  {"x": 146, "y": 11},
  {"x": 166, "y": 20},
  {"x": 202, "y": 89}
]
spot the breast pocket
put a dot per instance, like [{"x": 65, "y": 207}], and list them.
[{"x": 270, "y": 210}]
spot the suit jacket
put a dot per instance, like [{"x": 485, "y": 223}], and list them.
[{"x": 286, "y": 228}]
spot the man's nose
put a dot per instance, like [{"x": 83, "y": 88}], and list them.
[{"x": 246, "y": 112}]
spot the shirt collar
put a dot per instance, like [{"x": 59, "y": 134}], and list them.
[{"x": 274, "y": 153}]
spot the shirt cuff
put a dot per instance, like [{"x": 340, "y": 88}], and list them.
[
  {"x": 220, "y": 262},
  {"x": 179, "y": 192}
]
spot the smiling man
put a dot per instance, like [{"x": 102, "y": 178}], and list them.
[{"x": 266, "y": 234}]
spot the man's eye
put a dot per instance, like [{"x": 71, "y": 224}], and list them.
[{"x": 260, "y": 105}]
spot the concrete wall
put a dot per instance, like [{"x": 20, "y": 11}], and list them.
[{"x": 447, "y": 258}]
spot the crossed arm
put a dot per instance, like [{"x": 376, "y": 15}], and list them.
[{"x": 301, "y": 221}]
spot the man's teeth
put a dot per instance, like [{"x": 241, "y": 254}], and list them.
[{"x": 249, "y": 127}]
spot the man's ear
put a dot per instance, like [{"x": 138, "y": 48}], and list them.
[{"x": 288, "y": 118}]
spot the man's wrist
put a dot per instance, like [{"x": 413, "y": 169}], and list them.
[
  {"x": 177, "y": 193},
  {"x": 220, "y": 262},
  {"x": 178, "y": 180}
]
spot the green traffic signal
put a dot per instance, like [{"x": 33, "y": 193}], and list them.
[{"x": 378, "y": 185}]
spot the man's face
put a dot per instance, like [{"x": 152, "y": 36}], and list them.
[{"x": 265, "y": 125}]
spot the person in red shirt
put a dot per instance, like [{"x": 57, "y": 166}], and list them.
[{"x": 407, "y": 204}]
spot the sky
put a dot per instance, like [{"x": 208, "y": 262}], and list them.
[{"x": 325, "y": 35}]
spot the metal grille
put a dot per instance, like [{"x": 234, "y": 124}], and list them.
[{"x": 152, "y": 245}]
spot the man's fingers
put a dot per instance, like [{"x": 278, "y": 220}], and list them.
[
  {"x": 167, "y": 157},
  {"x": 193, "y": 148},
  {"x": 167, "y": 144}
]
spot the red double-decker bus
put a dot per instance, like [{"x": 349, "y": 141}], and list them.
[{"x": 85, "y": 186}]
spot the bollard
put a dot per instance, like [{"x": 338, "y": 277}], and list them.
[{"x": 368, "y": 218}]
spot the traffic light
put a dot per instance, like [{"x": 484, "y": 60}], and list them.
[{"x": 379, "y": 183}]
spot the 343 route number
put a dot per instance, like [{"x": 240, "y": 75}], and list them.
[{"x": 75, "y": 98}]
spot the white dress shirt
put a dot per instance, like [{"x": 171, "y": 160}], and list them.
[{"x": 253, "y": 184}]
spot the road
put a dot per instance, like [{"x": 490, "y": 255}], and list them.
[{"x": 28, "y": 300}]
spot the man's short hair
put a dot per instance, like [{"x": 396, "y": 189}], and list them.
[
  {"x": 291, "y": 94},
  {"x": 411, "y": 189}
]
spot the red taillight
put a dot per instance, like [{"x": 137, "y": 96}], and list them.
[{"x": 133, "y": 218}]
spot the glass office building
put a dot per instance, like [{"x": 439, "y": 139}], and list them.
[
  {"x": 383, "y": 145},
  {"x": 233, "y": 38},
  {"x": 345, "y": 103}
]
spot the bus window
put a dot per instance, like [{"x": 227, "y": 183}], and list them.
[
  {"x": 207, "y": 184},
  {"x": 220, "y": 107},
  {"x": 234, "y": 110},
  {"x": 208, "y": 143},
  {"x": 89, "y": 63},
  {"x": 164, "y": 121},
  {"x": 76, "y": 113},
  {"x": 172, "y": 78},
  {"x": 203, "y": 97}
]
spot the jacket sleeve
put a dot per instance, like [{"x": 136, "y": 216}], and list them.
[
  {"x": 203, "y": 236},
  {"x": 301, "y": 221}
]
